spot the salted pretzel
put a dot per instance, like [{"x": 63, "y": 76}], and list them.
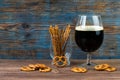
[
  {"x": 101, "y": 67},
  {"x": 26, "y": 68},
  {"x": 111, "y": 69},
  {"x": 79, "y": 69},
  {"x": 45, "y": 69},
  {"x": 60, "y": 61},
  {"x": 105, "y": 67},
  {"x": 33, "y": 67}
]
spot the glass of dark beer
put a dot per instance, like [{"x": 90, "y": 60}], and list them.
[{"x": 89, "y": 34}]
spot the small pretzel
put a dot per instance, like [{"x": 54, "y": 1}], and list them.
[
  {"x": 105, "y": 67},
  {"x": 60, "y": 61},
  {"x": 45, "y": 69},
  {"x": 79, "y": 69},
  {"x": 101, "y": 67},
  {"x": 111, "y": 69},
  {"x": 40, "y": 65},
  {"x": 26, "y": 68},
  {"x": 33, "y": 67}
]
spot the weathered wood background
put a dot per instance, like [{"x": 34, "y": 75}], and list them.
[{"x": 24, "y": 26}]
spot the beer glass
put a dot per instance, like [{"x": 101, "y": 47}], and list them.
[{"x": 89, "y": 34}]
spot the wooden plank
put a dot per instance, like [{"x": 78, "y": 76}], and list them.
[
  {"x": 12, "y": 72},
  {"x": 15, "y": 39}
]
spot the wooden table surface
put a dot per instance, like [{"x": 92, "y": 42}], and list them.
[{"x": 10, "y": 70}]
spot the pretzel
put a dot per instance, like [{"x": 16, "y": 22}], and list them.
[
  {"x": 59, "y": 38},
  {"x": 26, "y": 68},
  {"x": 79, "y": 69},
  {"x": 111, "y": 69},
  {"x": 33, "y": 67},
  {"x": 105, "y": 67},
  {"x": 45, "y": 69},
  {"x": 101, "y": 67},
  {"x": 60, "y": 61},
  {"x": 40, "y": 65},
  {"x": 36, "y": 66}
]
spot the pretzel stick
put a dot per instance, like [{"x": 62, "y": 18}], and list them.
[
  {"x": 52, "y": 39},
  {"x": 68, "y": 30},
  {"x": 54, "y": 36},
  {"x": 65, "y": 37},
  {"x": 59, "y": 39}
]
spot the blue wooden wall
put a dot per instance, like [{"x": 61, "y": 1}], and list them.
[{"x": 24, "y": 26}]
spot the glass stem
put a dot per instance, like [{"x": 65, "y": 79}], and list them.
[{"x": 88, "y": 58}]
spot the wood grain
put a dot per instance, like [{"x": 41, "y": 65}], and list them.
[
  {"x": 10, "y": 69},
  {"x": 24, "y": 26}
]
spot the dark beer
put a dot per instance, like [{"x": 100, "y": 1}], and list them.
[{"x": 89, "y": 40}]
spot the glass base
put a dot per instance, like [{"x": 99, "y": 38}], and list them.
[{"x": 87, "y": 65}]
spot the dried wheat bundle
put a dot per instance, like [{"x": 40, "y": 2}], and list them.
[{"x": 59, "y": 38}]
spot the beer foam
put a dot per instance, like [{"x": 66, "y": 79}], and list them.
[{"x": 88, "y": 28}]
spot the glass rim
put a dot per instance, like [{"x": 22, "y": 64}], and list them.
[{"x": 89, "y": 15}]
